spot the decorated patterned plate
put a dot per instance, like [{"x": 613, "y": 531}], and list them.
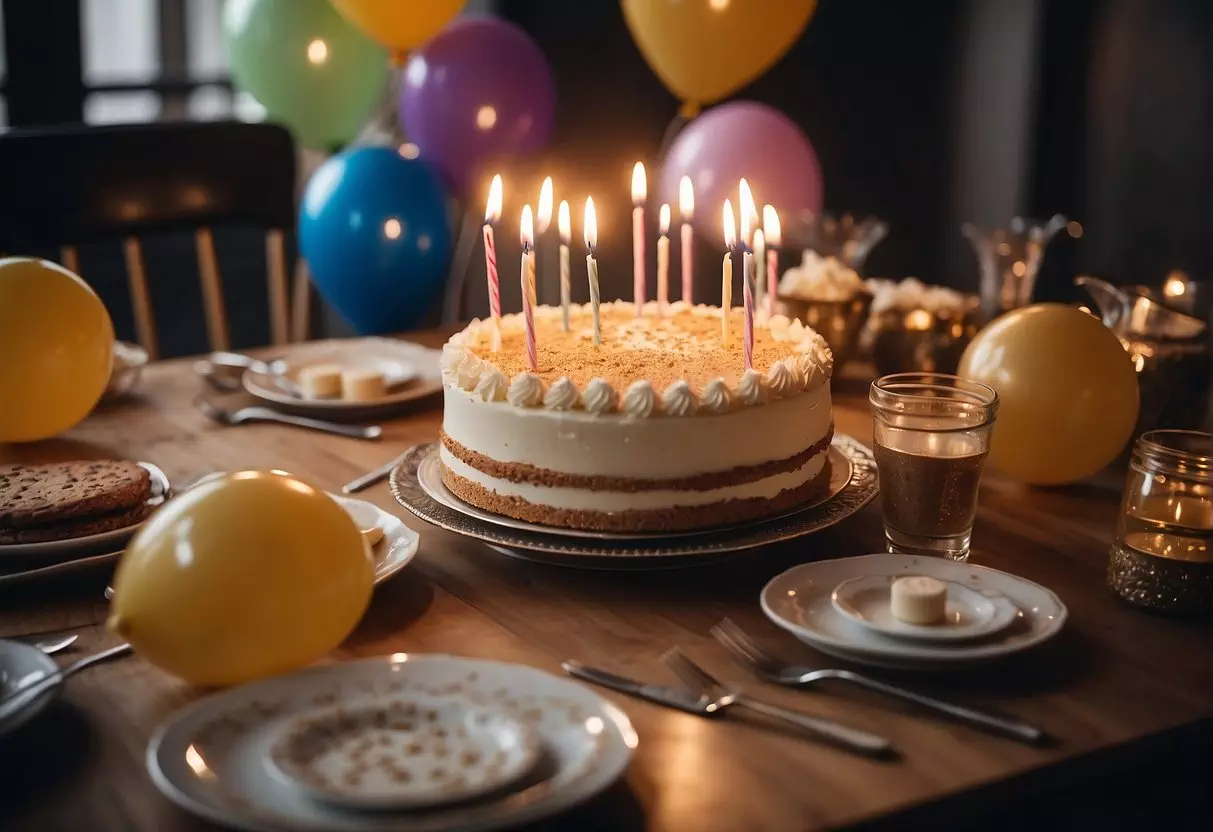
[
  {"x": 851, "y": 461},
  {"x": 210, "y": 757},
  {"x": 406, "y": 753}
]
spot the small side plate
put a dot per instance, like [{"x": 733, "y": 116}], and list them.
[
  {"x": 404, "y": 754},
  {"x": 970, "y": 614}
]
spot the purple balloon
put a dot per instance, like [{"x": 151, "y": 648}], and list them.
[
  {"x": 739, "y": 139},
  {"x": 479, "y": 89}
]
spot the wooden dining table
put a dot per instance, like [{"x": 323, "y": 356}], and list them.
[{"x": 1126, "y": 696}]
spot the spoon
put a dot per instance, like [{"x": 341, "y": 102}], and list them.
[
  {"x": 264, "y": 414},
  {"x": 35, "y": 684},
  {"x": 53, "y": 645}
]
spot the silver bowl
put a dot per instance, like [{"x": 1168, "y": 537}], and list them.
[
  {"x": 919, "y": 340},
  {"x": 838, "y": 321}
]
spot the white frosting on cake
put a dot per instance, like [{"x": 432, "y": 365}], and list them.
[{"x": 620, "y": 445}]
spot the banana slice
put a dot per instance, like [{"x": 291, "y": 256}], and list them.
[
  {"x": 919, "y": 600},
  {"x": 372, "y": 535}
]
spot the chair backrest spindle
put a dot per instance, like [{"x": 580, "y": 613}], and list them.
[{"x": 141, "y": 298}]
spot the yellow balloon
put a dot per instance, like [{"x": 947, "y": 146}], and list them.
[
  {"x": 399, "y": 25},
  {"x": 1067, "y": 392},
  {"x": 243, "y": 576},
  {"x": 56, "y": 349},
  {"x": 702, "y": 50}
]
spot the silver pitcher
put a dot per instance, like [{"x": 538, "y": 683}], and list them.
[{"x": 1169, "y": 348}]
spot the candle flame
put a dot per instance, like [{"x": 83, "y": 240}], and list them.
[
  {"x": 1176, "y": 284},
  {"x": 639, "y": 185},
  {"x": 664, "y": 222},
  {"x": 492, "y": 211},
  {"x": 527, "y": 228},
  {"x": 563, "y": 223},
  {"x": 686, "y": 198},
  {"x": 745, "y": 204},
  {"x": 730, "y": 226},
  {"x": 759, "y": 239},
  {"x": 770, "y": 225},
  {"x": 543, "y": 214},
  {"x": 590, "y": 224}
]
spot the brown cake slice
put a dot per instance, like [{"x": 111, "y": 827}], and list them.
[
  {"x": 41, "y": 495},
  {"x": 76, "y": 527}
]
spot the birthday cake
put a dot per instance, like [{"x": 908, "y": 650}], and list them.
[{"x": 657, "y": 428}]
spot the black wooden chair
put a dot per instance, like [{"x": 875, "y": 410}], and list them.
[{"x": 66, "y": 187}]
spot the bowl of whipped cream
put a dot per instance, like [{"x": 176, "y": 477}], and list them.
[{"x": 829, "y": 296}]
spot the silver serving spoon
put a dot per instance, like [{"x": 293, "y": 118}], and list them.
[{"x": 264, "y": 414}]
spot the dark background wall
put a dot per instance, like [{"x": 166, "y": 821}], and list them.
[{"x": 926, "y": 114}]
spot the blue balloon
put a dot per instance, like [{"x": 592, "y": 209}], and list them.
[{"x": 373, "y": 229}]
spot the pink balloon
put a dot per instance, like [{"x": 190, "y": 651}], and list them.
[{"x": 742, "y": 138}]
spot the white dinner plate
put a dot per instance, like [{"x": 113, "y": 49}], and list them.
[
  {"x": 969, "y": 614},
  {"x": 394, "y": 552},
  {"x": 415, "y": 367},
  {"x": 20, "y": 663},
  {"x": 55, "y": 551},
  {"x": 210, "y": 757},
  {"x": 799, "y": 600}
]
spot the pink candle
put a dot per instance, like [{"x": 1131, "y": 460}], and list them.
[
  {"x": 492, "y": 213},
  {"x": 663, "y": 260},
  {"x": 747, "y": 295},
  {"x": 528, "y": 285},
  {"x": 771, "y": 230},
  {"x": 686, "y": 207},
  {"x": 639, "y": 190}
]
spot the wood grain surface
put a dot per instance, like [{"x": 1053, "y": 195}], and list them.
[{"x": 1116, "y": 688}]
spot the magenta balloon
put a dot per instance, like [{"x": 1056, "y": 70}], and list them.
[
  {"x": 479, "y": 89},
  {"x": 739, "y": 139}
]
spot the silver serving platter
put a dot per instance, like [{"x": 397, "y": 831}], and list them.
[{"x": 416, "y": 484}]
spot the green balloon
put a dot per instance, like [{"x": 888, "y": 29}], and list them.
[{"x": 309, "y": 68}]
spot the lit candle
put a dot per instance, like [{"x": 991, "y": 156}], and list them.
[
  {"x": 492, "y": 213},
  {"x": 543, "y": 220},
  {"x": 726, "y": 271},
  {"x": 750, "y": 301},
  {"x": 639, "y": 192},
  {"x": 663, "y": 260},
  {"x": 773, "y": 238},
  {"x": 565, "y": 226},
  {"x": 1176, "y": 285},
  {"x": 686, "y": 207},
  {"x": 590, "y": 224},
  {"x": 528, "y": 285}
]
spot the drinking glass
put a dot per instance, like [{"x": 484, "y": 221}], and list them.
[
  {"x": 1162, "y": 558},
  {"x": 932, "y": 436}
]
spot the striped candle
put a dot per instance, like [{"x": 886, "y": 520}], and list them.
[{"x": 528, "y": 285}]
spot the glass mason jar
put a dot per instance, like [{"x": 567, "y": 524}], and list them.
[{"x": 1162, "y": 557}]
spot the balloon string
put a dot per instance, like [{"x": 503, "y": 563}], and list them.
[{"x": 671, "y": 132}]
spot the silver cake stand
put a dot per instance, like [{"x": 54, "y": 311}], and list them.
[{"x": 416, "y": 483}]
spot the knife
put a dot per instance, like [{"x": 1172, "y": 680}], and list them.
[
  {"x": 670, "y": 697},
  {"x": 371, "y": 477}
]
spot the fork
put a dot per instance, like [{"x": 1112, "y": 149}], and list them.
[
  {"x": 768, "y": 667},
  {"x": 719, "y": 696},
  {"x": 264, "y": 414}
]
